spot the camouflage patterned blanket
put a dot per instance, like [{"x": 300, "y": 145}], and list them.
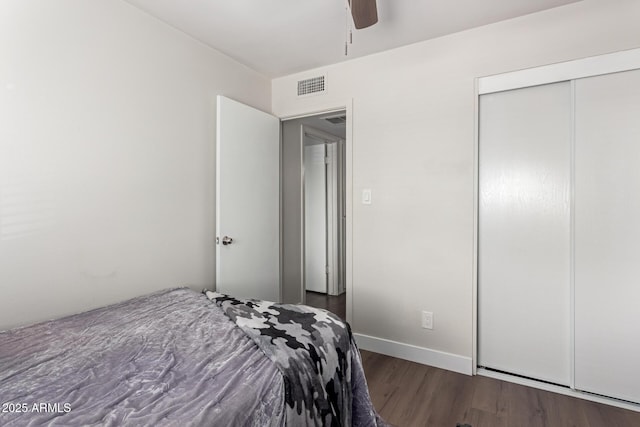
[{"x": 313, "y": 349}]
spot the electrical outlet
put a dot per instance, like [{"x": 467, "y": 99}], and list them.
[{"x": 427, "y": 320}]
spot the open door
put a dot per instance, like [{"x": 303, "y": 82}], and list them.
[{"x": 247, "y": 201}]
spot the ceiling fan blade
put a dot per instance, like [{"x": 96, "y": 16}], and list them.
[{"x": 364, "y": 12}]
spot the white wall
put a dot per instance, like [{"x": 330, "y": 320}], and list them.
[
  {"x": 107, "y": 155},
  {"x": 413, "y": 142}
]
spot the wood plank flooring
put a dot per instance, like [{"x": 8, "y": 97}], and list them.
[
  {"x": 335, "y": 304},
  {"x": 411, "y": 394}
]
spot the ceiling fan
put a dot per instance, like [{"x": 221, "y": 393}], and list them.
[{"x": 364, "y": 13}]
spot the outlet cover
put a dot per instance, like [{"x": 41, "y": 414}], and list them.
[{"x": 427, "y": 320}]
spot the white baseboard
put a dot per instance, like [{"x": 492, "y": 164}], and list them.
[{"x": 425, "y": 356}]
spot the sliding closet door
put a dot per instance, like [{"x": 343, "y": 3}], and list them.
[
  {"x": 524, "y": 232},
  {"x": 607, "y": 235}
]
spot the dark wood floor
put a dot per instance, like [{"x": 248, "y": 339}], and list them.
[
  {"x": 335, "y": 304},
  {"x": 410, "y": 394}
]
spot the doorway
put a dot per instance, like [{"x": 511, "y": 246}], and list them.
[{"x": 314, "y": 211}]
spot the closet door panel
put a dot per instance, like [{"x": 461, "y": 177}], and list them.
[
  {"x": 607, "y": 235},
  {"x": 524, "y": 232}
]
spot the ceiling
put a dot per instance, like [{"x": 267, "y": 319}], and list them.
[{"x": 280, "y": 37}]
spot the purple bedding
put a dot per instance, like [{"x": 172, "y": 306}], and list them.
[{"x": 169, "y": 358}]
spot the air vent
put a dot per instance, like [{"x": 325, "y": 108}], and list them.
[
  {"x": 311, "y": 86},
  {"x": 336, "y": 120}
]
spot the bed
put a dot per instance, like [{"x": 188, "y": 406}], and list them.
[{"x": 179, "y": 357}]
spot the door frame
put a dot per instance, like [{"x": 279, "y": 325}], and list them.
[
  {"x": 564, "y": 71},
  {"x": 347, "y": 107}
]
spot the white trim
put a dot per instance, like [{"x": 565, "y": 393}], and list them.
[
  {"x": 559, "y": 389},
  {"x": 349, "y": 150},
  {"x": 474, "y": 260},
  {"x": 572, "y": 242},
  {"x": 425, "y": 356},
  {"x": 563, "y": 71},
  {"x": 303, "y": 224},
  {"x": 280, "y": 216},
  {"x": 313, "y": 113}
]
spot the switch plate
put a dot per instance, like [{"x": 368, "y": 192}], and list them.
[
  {"x": 427, "y": 320},
  {"x": 366, "y": 196}
]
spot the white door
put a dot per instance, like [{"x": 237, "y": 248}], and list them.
[
  {"x": 247, "y": 202},
  {"x": 607, "y": 230},
  {"x": 315, "y": 218},
  {"x": 524, "y": 232}
]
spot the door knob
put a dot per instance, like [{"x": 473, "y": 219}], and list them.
[{"x": 226, "y": 240}]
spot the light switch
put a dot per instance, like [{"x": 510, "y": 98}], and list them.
[{"x": 366, "y": 196}]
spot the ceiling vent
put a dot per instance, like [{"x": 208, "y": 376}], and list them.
[
  {"x": 312, "y": 86},
  {"x": 336, "y": 120}
]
